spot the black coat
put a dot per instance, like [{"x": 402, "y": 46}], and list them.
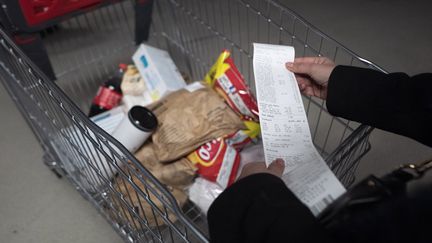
[{"x": 260, "y": 208}]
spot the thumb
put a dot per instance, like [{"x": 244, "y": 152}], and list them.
[
  {"x": 300, "y": 67},
  {"x": 277, "y": 167}
]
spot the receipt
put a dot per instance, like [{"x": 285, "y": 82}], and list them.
[{"x": 285, "y": 129}]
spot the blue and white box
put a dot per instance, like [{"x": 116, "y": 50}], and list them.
[{"x": 158, "y": 70}]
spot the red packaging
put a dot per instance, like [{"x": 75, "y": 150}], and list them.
[
  {"x": 226, "y": 79},
  {"x": 216, "y": 161},
  {"x": 107, "y": 98}
]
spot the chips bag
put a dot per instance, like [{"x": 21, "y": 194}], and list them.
[
  {"x": 241, "y": 138},
  {"x": 216, "y": 161},
  {"x": 219, "y": 159},
  {"x": 226, "y": 79}
]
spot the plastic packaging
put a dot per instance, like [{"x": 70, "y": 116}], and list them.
[
  {"x": 132, "y": 82},
  {"x": 226, "y": 79},
  {"x": 108, "y": 95},
  {"x": 203, "y": 193},
  {"x": 216, "y": 161}
]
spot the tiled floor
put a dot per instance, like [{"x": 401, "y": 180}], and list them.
[{"x": 36, "y": 206}]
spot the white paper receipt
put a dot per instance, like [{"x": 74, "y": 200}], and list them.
[{"x": 285, "y": 129}]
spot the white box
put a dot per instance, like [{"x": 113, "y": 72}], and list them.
[
  {"x": 110, "y": 119},
  {"x": 158, "y": 70}
]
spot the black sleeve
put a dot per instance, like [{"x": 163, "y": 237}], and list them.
[
  {"x": 393, "y": 102},
  {"x": 260, "y": 208}
]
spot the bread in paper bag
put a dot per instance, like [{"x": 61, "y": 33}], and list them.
[
  {"x": 190, "y": 119},
  {"x": 179, "y": 173},
  {"x": 176, "y": 176},
  {"x": 134, "y": 208}
]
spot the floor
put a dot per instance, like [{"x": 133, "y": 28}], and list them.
[{"x": 36, "y": 206}]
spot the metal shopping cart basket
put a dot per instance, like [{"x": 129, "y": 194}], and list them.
[{"x": 84, "y": 51}]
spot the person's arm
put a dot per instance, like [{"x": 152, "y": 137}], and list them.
[
  {"x": 393, "y": 102},
  {"x": 260, "y": 208}
]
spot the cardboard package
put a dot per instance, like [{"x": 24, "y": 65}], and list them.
[{"x": 158, "y": 71}]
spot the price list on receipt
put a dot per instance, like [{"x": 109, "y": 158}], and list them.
[{"x": 285, "y": 129}]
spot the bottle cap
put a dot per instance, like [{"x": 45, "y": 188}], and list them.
[{"x": 123, "y": 66}]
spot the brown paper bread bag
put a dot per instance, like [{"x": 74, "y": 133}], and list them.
[{"x": 190, "y": 119}]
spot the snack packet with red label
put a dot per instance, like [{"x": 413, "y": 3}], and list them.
[
  {"x": 219, "y": 159},
  {"x": 216, "y": 161},
  {"x": 226, "y": 79},
  {"x": 241, "y": 138}
]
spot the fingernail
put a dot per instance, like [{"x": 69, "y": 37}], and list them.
[
  {"x": 280, "y": 162},
  {"x": 289, "y": 64}
]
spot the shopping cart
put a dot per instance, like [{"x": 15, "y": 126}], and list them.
[{"x": 86, "y": 50}]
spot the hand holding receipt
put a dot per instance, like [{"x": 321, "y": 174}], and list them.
[{"x": 285, "y": 129}]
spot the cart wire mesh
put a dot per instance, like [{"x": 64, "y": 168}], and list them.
[{"x": 85, "y": 50}]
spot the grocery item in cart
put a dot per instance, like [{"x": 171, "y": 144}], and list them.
[
  {"x": 135, "y": 127},
  {"x": 176, "y": 176},
  {"x": 158, "y": 71},
  {"x": 254, "y": 153},
  {"x": 132, "y": 205},
  {"x": 109, "y": 120},
  {"x": 108, "y": 95},
  {"x": 242, "y": 138},
  {"x": 130, "y": 101},
  {"x": 203, "y": 193},
  {"x": 226, "y": 79},
  {"x": 134, "y": 89},
  {"x": 119, "y": 125},
  {"x": 219, "y": 160},
  {"x": 190, "y": 119},
  {"x": 179, "y": 173},
  {"x": 216, "y": 161},
  {"x": 132, "y": 83}
]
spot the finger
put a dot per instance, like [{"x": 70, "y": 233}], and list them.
[
  {"x": 301, "y": 79},
  {"x": 313, "y": 60},
  {"x": 309, "y": 91},
  {"x": 302, "y": 87},
  {"x": 300, "y": 68},
  {"x": 246, "y": 170},
  {"x": 252, "y": 168},
  {"x": 315, "y": 91},
  {"x": 308, "y": 59},
  {"x": 289, "y": 65},
  {"x": 277, "y": 167}
]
